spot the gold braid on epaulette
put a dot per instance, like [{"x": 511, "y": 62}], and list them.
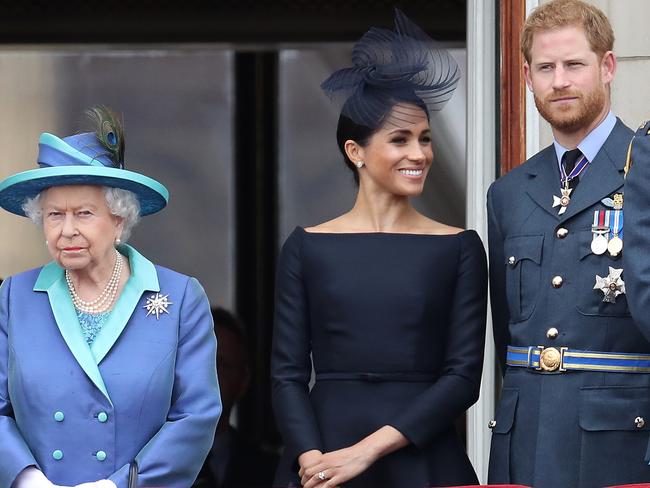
[{"x": 628, "y": 160}]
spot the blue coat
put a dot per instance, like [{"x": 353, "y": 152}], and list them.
[
  {"x": 563, "y": 429},
  {"x": 146, "y": 389}
]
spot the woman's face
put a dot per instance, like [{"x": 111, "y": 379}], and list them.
[
  {"x": 79, "y": 228},
  {"x": 398, "y": 156}
]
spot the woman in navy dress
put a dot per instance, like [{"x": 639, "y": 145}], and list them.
[{"x": 389, "y": 304}]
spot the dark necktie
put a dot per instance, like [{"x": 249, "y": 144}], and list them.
[{"x": 569, "y": 160}]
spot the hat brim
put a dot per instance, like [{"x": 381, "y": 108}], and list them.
[{"x": 152, "y": 195}]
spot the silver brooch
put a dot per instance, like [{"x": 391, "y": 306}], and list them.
[
  {"x": 157, "y": 304},
  {"x": 612, "y": 285}
]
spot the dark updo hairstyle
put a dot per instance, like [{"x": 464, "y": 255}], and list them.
[{"x": 347, "y": 129}]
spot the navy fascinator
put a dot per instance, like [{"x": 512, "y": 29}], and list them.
[{"x": 391, "y": 67}]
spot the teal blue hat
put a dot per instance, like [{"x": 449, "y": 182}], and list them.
[{"x": 90, "y": 158}]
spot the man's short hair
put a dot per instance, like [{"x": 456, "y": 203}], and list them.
[{"x": 565, "y": 13}]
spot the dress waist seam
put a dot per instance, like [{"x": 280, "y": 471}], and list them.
[{"x": 408, "y": 377}]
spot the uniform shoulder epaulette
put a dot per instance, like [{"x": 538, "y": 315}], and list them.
[
  {"x": 644, "y": 129},
  {"x": 642, "y": 132}
]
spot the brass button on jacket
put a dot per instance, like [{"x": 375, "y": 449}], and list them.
[
  {"x": 561, "y": 233},
  {"x": 552, "y": 333},
  {"x": 492, "y": 424},
  {"x": 639, "y": 422},
  {"x": 557, "y": 281}
]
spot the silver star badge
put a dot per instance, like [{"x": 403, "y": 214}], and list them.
[
  {"x": 563, "y": 201},
  {"x": 157, "y": 304},
  {"x": 612, "y": 285}
]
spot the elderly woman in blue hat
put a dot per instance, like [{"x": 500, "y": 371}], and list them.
[{"x": 107, "y": 361}]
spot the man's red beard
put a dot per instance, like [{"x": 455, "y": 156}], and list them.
[{"x": 578, "y": 115}]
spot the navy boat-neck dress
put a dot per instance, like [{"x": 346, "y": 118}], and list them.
[{"x": 395, "y": 325}]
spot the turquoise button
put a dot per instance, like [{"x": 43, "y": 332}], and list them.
[
  {"x": 102, "y": 417},
  {"x": 58, "y": 454},
  {"x": 58, "y": 416},
  {"x": 101, "y": 455}
]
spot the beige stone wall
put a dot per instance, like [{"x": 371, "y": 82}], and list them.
[
  {"x": 21, "y": 243},
  {"x": 631, "y": 88}
]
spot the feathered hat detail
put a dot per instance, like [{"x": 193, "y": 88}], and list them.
[
  {"x": 401, "y": 65},
  {"x": 109, "y": 133},
  {"x": 89, "y": 158}
]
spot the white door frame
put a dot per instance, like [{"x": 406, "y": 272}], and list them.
[
  {"x": 482, "y": 64},
  {"x": 532, "y": 116}
]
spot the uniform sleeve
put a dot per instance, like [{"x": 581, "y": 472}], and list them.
[
  {"x": 498, "y": 297},
  {"x": 175, "y": 454},
  {"x": 14, "y": 453},
  {"x": 290, "y": 356},
  {"x": 458, "y": 386},
  {"x": 636, "y": 230}
]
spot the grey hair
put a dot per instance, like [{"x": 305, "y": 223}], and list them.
[
  {"x": 121, "y": 203},
  {"x": 125, "y": 204},
  {"x": 32, "y": 208}
]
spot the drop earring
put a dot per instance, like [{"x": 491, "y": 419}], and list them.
[{"x": 118, "y": 241}]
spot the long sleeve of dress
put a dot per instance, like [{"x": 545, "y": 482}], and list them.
[
  {"x": 458, "y": 386},
  {"x": 14, "y": 452},
  {"x": 290, "y": 358}
]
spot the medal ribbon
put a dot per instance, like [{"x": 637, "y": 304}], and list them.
[
  {"x": 599, "y": 222},
  {"x": 617, "y": 228},
  {"x": 620, "y": 230},
  {"x": 599, "y": 232},
  {"x": 576, "y": 171}
]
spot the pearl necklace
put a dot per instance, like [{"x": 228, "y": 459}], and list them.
[{"x": 106, "y": 298}]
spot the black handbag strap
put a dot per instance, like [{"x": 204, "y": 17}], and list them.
[{"x": 133, "y": 475}]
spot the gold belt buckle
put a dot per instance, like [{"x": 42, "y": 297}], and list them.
[{"x": 551, "y": 359}]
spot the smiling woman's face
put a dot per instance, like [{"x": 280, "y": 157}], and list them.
[
  {"x": 398, "y": 156},
  {"x": 79, "y": 228}
]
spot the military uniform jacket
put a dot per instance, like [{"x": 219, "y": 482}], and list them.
[
  {"x": 563, "y": 429},
  {"x": 146, "y": 390}
]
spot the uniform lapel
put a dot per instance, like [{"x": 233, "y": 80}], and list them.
[
  {"x": 605, "y": 173},
  {"x": 51, "y": 280},
  {"x": 545, "y": 181},
  {"x": 143, "y": 277}
]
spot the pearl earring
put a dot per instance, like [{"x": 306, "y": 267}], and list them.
[
  {"x": 359, "y": 164},
  {"x": 46, "y": 242},
  {"x": 118, "y": 241}
]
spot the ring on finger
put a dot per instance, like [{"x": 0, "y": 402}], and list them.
[{"x": 321, "y": 475}]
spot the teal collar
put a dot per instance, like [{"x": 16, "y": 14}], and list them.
[{"x": 52, "y": 280}]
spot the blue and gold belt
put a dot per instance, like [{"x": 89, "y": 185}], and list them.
[{"x": 561, "y": 359}]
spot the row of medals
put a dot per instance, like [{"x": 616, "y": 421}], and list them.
[
  {"x": 601, "y": 241},
  {"x": 606, "y": 223},
  {"x": 612, "y": 285}
]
